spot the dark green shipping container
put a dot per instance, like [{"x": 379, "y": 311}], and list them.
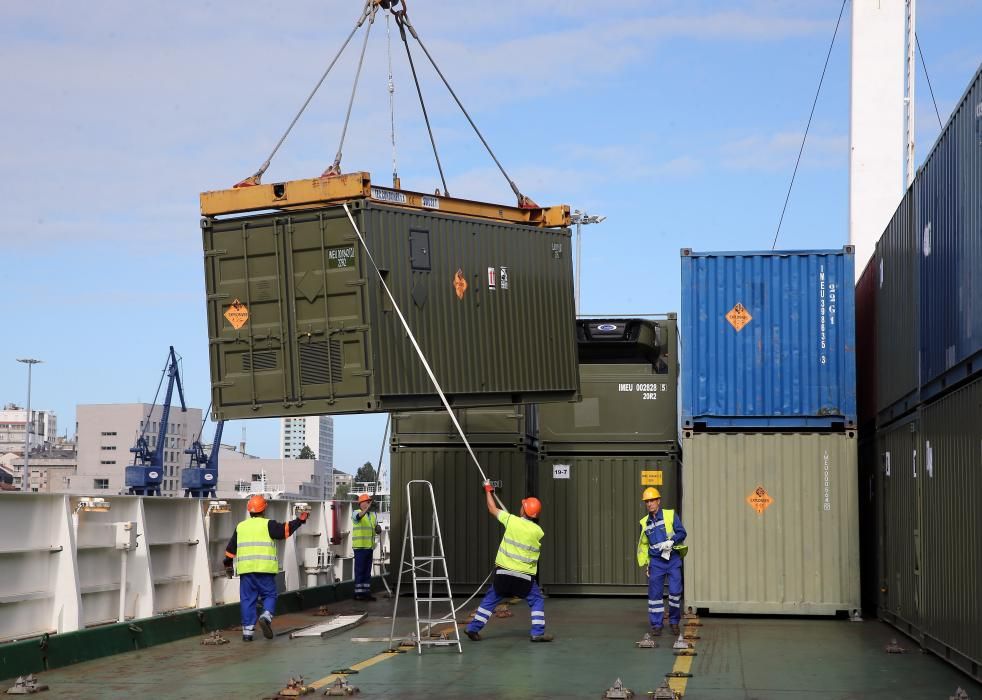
[
  {"x": 931, "y": 556},
  {"x": 299, "y": 324},
  {"x": 500, "y": 425},
  {"x": 470, "y": 535},
  {"x": 629, "y": 385},
  {"x": 591, "y": 505}
]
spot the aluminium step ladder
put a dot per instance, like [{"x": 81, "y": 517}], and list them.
[{"x": 428, "y": 569}]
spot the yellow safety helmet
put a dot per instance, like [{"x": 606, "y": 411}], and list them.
[{"x": 649, "y": 493}]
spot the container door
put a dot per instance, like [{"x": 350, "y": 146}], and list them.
[
  {"x": 325, "y": 287},
  {"x": 248, "y": 314}
]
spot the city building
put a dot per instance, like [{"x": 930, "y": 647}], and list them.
[
  {"x": 52, "y": 470},
  {"x": 316, "y": 432},
  {"x": 13, "y": 418},
  {"x": 240, "y": 473},
  {"x": 106, "y": 432}
]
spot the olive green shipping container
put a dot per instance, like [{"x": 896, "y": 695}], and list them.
[
  {"x": 591, "y": 505},
  {"x": 501, "y": 425},
  {"x": 901, "y": 542},
  {"x": 772, "y": 523},
  {"x": 470, "y": 535},
  {"x": 629, "y": 384},
  {"x": 931, "y": 553},
  {"x": 491, "y": 305}
]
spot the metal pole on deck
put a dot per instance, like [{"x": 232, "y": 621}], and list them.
[
  {"x": 581, "y": 218},
  {"x": 26, "y": 483}
]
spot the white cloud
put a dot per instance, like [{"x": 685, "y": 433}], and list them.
[{"x": 778, "y": 151}]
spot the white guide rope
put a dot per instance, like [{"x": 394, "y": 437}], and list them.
[{"x": 419, "y": 351}]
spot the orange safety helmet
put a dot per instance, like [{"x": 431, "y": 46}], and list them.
[
  {"x": 256, "y": 504},
  {"x": 364, "y": 497},
  {"x": 532, "y": 506}
]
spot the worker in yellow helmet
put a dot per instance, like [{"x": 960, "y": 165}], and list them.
[
  {"x": 253, "y": 554},
  {"x": 660, "y": 552},
  {"x": 515, "y": 567}
]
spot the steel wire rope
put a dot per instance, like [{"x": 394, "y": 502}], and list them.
[
  {"x": 400, "y": 17},
  {"x": 254, "y": 179},
  {"x": 920, "y": 53},
  {"x": 335, "y": 168},
  {"x": 392, "y": 111},
  {"x": 378, "y": 482},
  {"x": 156, "y": 394},
  {"x": 522, "y": 199},
  {"x": 808, "y": 126}
]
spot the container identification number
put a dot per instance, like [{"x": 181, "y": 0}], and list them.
[
  {"x": 827, "y": 295},
  {"x": 340, "y": 257},
  {"x": 649, "y": 392},
  {"x": 827, "y": 501},
  {"x": 561, "y": 471}
]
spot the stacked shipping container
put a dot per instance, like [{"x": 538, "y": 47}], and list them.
[
  {"x": 597, "y": 455},
  {"x": 922, "y": 471},
  {"x": 769, "y": 415},
  {"x": 587, "y": 461}
]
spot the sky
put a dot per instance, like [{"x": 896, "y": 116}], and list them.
[{"x": 678, "y": 121}]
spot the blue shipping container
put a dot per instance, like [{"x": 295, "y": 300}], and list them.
[
  {"x": 949, "y": 204},
  {"x": 768, "y": 339}
]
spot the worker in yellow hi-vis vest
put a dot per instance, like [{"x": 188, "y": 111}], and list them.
[
  {"x": 253, "y": 553},
  {"x": 660, "y": 552}
]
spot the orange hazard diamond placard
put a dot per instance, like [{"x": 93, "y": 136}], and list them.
[
  {"x": 459, "y": 284},
  {"x": 738, "y": 317},
  {"x": 760, "y": 500},
  {"x": 237, "y": 314}
]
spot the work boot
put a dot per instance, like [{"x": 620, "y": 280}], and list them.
[
  {"x": 656, "y": 631},
  {"x": 541, "y": 638},
  {"x": 473, "y": 636},
  {"x": 266, "y": 625},
  {"x": 675, "y": 629},
  {"x": 369, "y": 597},
  {"x": 246, "y": 637}
]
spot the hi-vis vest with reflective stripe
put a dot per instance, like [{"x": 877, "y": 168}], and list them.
[
  {"x": 363, "y": 531},
  {"x": 643, "y": 543},
  {"x": 519, "y": 548},
  {"x": 255, "y": 552}
]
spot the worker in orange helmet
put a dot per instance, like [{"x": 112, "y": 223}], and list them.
[
  {"x": 517, "y": 566},
  {"x": 253, "y": 554},
  {"x": 364, "y": 528}
]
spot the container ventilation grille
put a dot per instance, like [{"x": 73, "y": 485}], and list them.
[
  {"x": 320, "y": 362},
  {"x": 259, "y": 361}
]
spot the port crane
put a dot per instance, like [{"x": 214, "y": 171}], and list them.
[
  {"x": 200, "y": 478},
  {"x": 145, "y": 475}
]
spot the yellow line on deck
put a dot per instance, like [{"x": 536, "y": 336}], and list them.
[
  {"x": 357, "y": 667},
  {"x": 682, "y": 664}
]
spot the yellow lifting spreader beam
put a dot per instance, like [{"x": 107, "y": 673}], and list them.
[{"x": 306, "y": 194}]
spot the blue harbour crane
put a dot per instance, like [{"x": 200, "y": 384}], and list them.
[
  {"x": 200, "y": 478},
  {"x": 144, "y": 477}
]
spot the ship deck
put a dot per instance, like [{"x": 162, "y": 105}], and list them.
[{"x": 759, "y": 658}]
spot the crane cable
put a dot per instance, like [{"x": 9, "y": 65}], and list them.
[
  {"x": 335, "y": 168},
  {"x": 422, "y": 103},
  {"x": 378, "y": 483},
  {"x": 255, "y": 178},
  {"x": 808, "y": 126},
  {"x": 403, "y": 19},
  {"x": 392, "y": 115},
  {"x": 156, "y": 394}
]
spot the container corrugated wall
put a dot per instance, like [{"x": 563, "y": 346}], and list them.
[
  {"x": 902, "y": 543},
  {"x": 800, "y": 555},
  {"x": 768, "y": 339},
  {"x": 470, "y": 536},
  {"x": 589, "y": 504},
  {"x": 951, "y": 490},
  {"x": 501, "y": 340},
  {"x": 949, "y": 191},
  {"x": 490, "y": 304},
  {"x": 504, "y": 425},
  {"x": 866, "y": 333},
  {"x": 896, "y": 363}
]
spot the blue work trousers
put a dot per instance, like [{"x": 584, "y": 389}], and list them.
[
  {"x": 252, "y": 587},
  {"x": 363, "y": 572},
  {"x": 491, "y": 600},
  {"x": 658, "y": 570}
]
